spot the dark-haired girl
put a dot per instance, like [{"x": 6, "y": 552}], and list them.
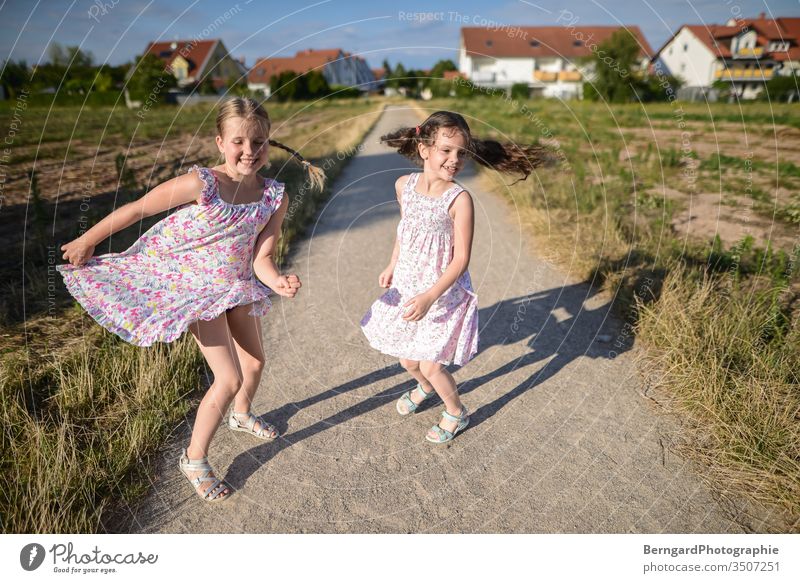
[{"x": 428, "y": 318}]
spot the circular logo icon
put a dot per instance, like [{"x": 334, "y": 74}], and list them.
[{"x": 31, "y": 556}]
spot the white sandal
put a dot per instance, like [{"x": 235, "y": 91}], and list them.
[
  {"x": 267, "y": 430},
  {"x": 213, "y": 493}
]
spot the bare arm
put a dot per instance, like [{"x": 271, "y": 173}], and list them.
[
  {"x": 386, "y": 276},
  {"x": 463, "y": 228},
  {"x": 174, "y": 192},
  {"x": 264, "y": 266}
]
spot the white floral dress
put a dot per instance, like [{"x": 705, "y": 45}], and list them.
[{"x": 449, "y": 331}]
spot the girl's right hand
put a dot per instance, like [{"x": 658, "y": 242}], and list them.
[
  {"x": 385, "y": 278},
  {"x": 77, "y": 252}
]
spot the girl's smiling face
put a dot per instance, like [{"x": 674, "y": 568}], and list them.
[
  {"x": 445, "y": 158},
  {"x": 244, "y": 144}
]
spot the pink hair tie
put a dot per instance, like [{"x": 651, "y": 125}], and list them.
[{"x": 417, "y": 128}]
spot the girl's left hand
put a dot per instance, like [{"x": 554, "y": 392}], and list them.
[
  {"x": 287, "y": 285},
  {"x": 419, "y": 306}
]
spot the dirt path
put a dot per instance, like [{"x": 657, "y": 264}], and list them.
[{"x": 561, "y": 440}]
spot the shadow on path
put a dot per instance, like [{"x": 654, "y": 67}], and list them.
[{"x": 554, "y": 324}]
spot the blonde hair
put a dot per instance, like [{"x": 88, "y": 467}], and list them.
[{"x": 248, "y": 109}]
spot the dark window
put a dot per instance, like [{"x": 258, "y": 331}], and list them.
[
  {"x": 577, "y": 43},
  {"x": 488, "y": 43},
  {"x": 535, "y": 43}
]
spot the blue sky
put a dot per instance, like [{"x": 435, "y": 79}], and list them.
[{"x": 414, "y": 33}]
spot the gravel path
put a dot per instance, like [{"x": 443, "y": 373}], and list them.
[{"x": 561, "y": 439}]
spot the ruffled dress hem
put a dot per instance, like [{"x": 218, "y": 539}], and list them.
[
  {"x": 466, "y": 345},
  {"x": 237, "y": 296}
]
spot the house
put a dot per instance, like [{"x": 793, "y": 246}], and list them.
[
  {"x": 546, "y": 58},
  {"x": 338, "y": 68},
  {"x": 745, "y": 53},
  {"x": 191, "y": 61},
  {"x": 380, "y": 78}
]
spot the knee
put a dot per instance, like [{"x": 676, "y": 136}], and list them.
[
  {"x": 430, "y": 369},
  {"x": 252, "y": 367},
  {"x": 228, "y": 386},
  {"x": 410, "y": 365}
]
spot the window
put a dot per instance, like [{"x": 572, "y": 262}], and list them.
[
  {"x": 670, "y": 50},
  {"x": 577, "y": 43},
  {"x": 488, "y": 43},
  {"x": 685, "y": 47},
  {"x": 683, "y": 67},
  {"x": 535, "y": 43}
]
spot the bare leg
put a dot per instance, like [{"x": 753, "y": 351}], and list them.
[
  {"x": 246, "y": 332},
  {"x": 412, "y": 366},
  {"x": 214, "y": 340},
  {"x": 445, "y": 386}
]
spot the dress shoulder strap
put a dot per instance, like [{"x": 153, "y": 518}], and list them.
[
  {"x": 450, "y": 195},
  {"x": 408, "y": 189}
]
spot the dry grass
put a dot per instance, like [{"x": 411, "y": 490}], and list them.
[{"x": 730, "y": 369}]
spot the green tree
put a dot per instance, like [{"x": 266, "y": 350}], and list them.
[
  {"x": 397, "y": 76},
  {"x": 289, "y": 86},
  {"x": 782, "y": 88},
  {"x": 149, "y": 77},
  {"x": 103, "y": 80},
  {"x": 284, "y": 86},
  {"x": 316, "y": 84},
  {"x": 205, "y": 86},
  {"x": 71, "y": 56},
  {"x": 14, "y": 77},
  {"x": 614, "y": 65},
  {"x": 441, "y": 66}
]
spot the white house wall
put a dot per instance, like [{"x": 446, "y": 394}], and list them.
[
  {"x": 510, "y": 71},
  {"x": 687, "y": 57},
  {"x": 464, "y": 61}
]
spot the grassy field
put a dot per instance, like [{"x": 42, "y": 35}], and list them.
[
  {"x": 689, "y": 215},
  {"x": 82, "y": 411}
]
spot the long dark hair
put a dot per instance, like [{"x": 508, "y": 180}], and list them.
[{"x": 504, "y": 157}]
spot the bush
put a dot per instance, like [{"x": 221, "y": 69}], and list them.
[
  {"x": 340, "y": 91},
  {"x": 520, "y": 91},
  {"x": 289, "y": 86},
  {"x": 95, "y": 99}
]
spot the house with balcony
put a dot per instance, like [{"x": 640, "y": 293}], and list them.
[
  {"x": 549, "y": 59},
  {"x": 191, "y": 61},
  {"x": 745, "y": 53},
  {"x": 337, "y": 66}
]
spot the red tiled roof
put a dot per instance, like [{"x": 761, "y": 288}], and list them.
[
  {"x": 541, "y": 41},
  {"x": 717, "y": 37},
  {"x": 379, "y": 73},
  {"x": 448, "y": 75},
  {"x": 194, "y": 51},
  {"x": 302, "y": 62}
]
